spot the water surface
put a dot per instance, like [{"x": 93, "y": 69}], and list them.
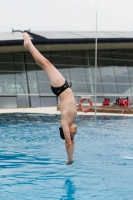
[{"x": 32, "y": 159}]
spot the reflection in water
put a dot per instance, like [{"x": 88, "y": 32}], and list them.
[{"x": 70, "y": 190}]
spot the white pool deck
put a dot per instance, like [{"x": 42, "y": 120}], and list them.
[{"x": 53, "y": 110}]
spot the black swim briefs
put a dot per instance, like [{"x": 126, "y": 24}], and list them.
[{"x": 58, "y": 90}]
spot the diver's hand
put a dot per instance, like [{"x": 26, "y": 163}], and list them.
[{"x": 69, "y": 162}]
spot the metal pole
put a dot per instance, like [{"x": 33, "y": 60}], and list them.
[
  {"x": 20, "y": 31},
  {"x": 96, "y": 69}
]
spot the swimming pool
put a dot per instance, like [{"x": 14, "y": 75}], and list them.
[{"x": 32, "y": 159}]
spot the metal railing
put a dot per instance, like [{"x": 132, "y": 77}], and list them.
[{"x": 113, "y": 103}]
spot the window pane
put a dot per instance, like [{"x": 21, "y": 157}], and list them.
[
  {"x": 31, "y": 76},
  {"x": 59, "y": 58},
  {"x": 62, "y": 69},
  {"x": 46, "y": 101},
  {"x": 29, "y": 58},
  {"x": 7, "y": 76},
  {"x": 107, "y": 70},
  {"x": 131, "y": 89},
  {"x": 92, "y": 70},
  {"x": 120, "y": 70},
  {"x": 110, "y": 88},
  {"x": 78, "y": 77},
  {"x": 47, "y": 55},
  {"x": 20, "y": 76},
  {"x": 66, "y": 76},
  {"x": 8, "y": 102},
  {"x": 130, "y": 70},
  {"x": 44, "y": 87},
  {"x": 42, "y": 76},
  {"x": 64, "y": 72},
  {"x": 129, "y": 60},
  {"x": 91, "y": 78},
  {"x": 19, "y": 62},
  {"x": 76, "y": 69},
  {"x": 21, "y": 87},
  {"x": 31, "y": 67},
  {"x": 104, "y": 58},
  {"x": 99, "y": 88},
  {"x": 118, "y": 57},
  {"x": 91, "y": 58},
  {"x": 77, "y": 74},
  {"x": 33, "y": 87},
  {"x": 122, "y": 79},
  {"x": 7, "y": 87},
  {"x": 20, "y": 67},
  {"x": 6, "y": 66},
  {"x": 88, "y": 70},
  {"x": 75, "y": 58},
  {"x": 85, "y": 59},
  {"x": 131, "y": 79},
  {"x": 79, "y": 88},
  {"x": 6, "y": 57},
  {"x": 35, "y": 101},
  {"x": 124, "y": 89},
  {"x": 91, "y": 88},
  {"x": 108, "y": 78},
  {"x": 6, "y": 62},
  {"x": 107, "y": 74},
  {"x": 30, "y": 62},
  {"x": 23, "y": 101}
]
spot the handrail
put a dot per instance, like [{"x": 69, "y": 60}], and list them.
[{"x": 112, "y": 106}]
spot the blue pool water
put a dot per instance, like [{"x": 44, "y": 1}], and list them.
[{"x": 32, "y": 159}]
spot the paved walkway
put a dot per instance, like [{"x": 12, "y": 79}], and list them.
[{"x": 53, "y": 110}]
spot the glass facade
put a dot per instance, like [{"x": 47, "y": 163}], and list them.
[{"x": 24, "y": 84}]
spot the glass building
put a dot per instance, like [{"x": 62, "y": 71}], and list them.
[{"x": 24, "y": 84}]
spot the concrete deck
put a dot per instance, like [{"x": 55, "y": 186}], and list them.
[{"x": 53, "y": 110}]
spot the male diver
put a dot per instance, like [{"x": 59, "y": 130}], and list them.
[{"x": 61, "y": 88}]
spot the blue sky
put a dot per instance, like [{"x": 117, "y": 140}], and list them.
[{"x": 66, "y": 15}]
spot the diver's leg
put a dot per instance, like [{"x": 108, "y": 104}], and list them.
[{"x": 55, "y": 76}]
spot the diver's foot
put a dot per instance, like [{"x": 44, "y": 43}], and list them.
[{"x": 27, "y": 40}]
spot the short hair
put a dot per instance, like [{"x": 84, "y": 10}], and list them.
[{"x": 62, "y": 134}]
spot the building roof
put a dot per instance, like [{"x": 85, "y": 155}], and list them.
[
  {"x": 14, "y": 38},
  {"x": 53, "y": 37}
]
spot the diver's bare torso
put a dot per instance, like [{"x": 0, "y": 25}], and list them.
[{"x": 68, "y": 106}]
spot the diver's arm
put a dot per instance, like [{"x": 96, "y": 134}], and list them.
[
  {"x": 68, "y": 143},
  {"x": 73, "y": 144}
]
